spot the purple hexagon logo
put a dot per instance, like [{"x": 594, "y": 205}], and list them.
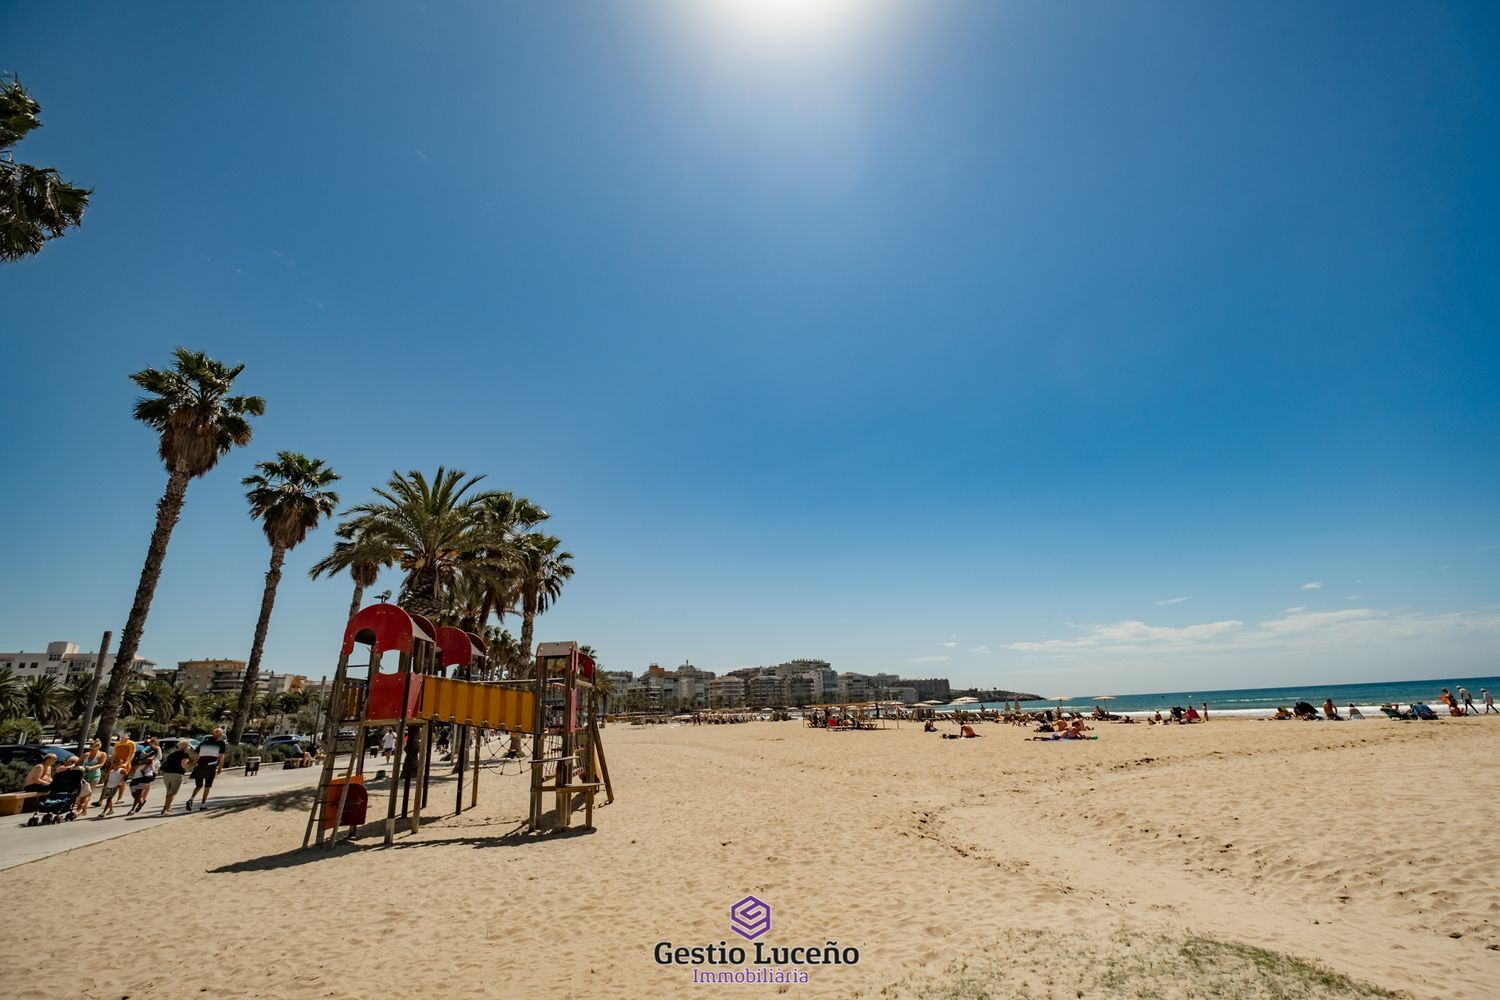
[{"x": 750, "y": 918}]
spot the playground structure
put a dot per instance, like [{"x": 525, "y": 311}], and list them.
[{"x": 556, "y": 708}]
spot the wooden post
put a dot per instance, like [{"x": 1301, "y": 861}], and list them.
[
  {"x": 463, "y": 759},
  {"x": 538, "y": 741},
  {"x": 609, "y": 789},
  {"x": 390, "y": 806},
  {"x": 474, "y": 785},
  {"x": 88, "y": 713}
]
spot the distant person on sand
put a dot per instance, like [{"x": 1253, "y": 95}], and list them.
[
  {"x": 1191, "y": 715},
  {"x": 388, "y": 744},
  {"x": 210, "y": 762},
  {"x": 1329, "y": 711},
  {"x": 1447, "y": 699},
  {"x": 1354, "y": 712},
  {"x": 1468, "y": 702},
  {"x": 1489, "y": 701}
]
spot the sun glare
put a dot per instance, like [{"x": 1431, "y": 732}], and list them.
[
  {"x": 791, "y": 18},
  {"x": 791, "y": 22}
]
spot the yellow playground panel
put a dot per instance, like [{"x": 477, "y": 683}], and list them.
[{"x": 472, "y": 703}]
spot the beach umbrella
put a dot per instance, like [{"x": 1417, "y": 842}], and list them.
[{"x": 1105, "y": 697}]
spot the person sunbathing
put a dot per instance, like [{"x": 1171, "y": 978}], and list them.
[
  {"x": 1282, "y": 713},
  {"x": 1191, "y": 715},
  {"x": 967, "y": 732},
  {"x": 928, "y": 727}
]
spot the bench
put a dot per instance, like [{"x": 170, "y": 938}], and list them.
[{"x": 12, "y": 803}]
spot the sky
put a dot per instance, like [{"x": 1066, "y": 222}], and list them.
[{"x": 1096, "y": 348}]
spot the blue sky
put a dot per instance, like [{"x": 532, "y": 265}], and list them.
[{"x": 1062, "y": 347}]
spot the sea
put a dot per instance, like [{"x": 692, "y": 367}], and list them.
[{"x": 1254, "y": 702}]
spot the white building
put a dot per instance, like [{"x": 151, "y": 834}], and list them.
[{"x": 64, "y": 661}]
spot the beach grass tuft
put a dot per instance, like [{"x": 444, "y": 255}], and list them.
[{"x": 1131, "y": 965}]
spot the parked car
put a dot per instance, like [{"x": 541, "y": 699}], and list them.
[{"x": 11, "y": 753}]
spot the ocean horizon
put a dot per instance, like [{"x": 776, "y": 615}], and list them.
[{"x": 1254, "y": 701}]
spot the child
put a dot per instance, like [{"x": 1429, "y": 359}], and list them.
[
  {"x": 140, "y": 784},
  {"x": 113, "y": 786}
]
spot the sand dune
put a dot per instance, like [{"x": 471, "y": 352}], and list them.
[{"x": 1152, "y": 862}]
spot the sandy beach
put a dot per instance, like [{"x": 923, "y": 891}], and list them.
[{"x": 1154, "y": 861}]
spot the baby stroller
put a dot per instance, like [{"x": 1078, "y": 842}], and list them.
[{"x": 57, "y": 802}]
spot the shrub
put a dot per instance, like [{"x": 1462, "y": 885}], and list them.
[
  {"x": 21, "y": 730},
  {"x": 140, "y": 726},
  {"x": 13, "y": 776}
]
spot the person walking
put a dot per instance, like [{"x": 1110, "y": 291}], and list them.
[
  {"x": 93, "y": 762},
  {"x": 121, "y": 763},
  {"x": 1489, "y": 701},
  {"x": 172, "y": 771},
  {"x": 140, "y": 783},
  {"x": 388, "y": 744},
  {"x": 1468, "y": 701},
  {"x": 210, "y": 762}
]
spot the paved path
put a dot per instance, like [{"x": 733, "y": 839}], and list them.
[{"x": 20, "y": 843}]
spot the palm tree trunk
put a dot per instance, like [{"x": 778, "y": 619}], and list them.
[
  {"x": 168, "y": 511},
  {"x": 528, "y": 617},
  {"x": 358, "y": 599},
  {"x": 252, "y": 669}
]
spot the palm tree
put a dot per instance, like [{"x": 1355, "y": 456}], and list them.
[
  {"x": 36, "y": 204},
  {"x": 360, "y": 551},
  {"x": 289, "y": 498},
  {"x": 604, "y": 684},
  {"x": 76, "y": 696},
  {"x": 266, "y": 705},
  {"x": 44, "y": 699},
  {"x": 504, "y": 657},
  {"x": 433, "y": 528},
  {"x": 198, "y": 422},
  {"x": 541, "y": 572},
  {"x": 503, "y": 520},
  {"x": 178, "y": 700},
  {"x": 12, "y": 701}
]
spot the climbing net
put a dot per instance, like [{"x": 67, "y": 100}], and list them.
[{"x": 510, "y": 753}]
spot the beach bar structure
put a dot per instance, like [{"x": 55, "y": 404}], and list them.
[{"x": 556, "y": 706}]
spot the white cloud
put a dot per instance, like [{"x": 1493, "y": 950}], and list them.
[
  {"x": 1353, "y": 597},
  {"x": 930, "y": 659},
  {"x": 1302, "y": 620},
  {"x": 1333, "y": 630},
  {"x": 981, "y": 649},
  {"x": 1130, "y": 633},
  {"x": 950, "y": 644},
  {"x": 1172, "y": 600},
  {"x": 1314, "y": 585}
]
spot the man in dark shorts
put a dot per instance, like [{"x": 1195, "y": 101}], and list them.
[
  {"x": 210, "y": 763},
  {"x": 172, "y": 770}
]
